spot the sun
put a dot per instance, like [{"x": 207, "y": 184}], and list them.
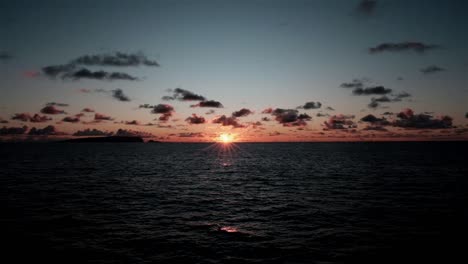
[{"x": 226, "y": 138}]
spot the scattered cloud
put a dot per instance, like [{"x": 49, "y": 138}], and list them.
[
  {"x": 340, "y": 122},
  {"x": 378, "y": 90},
  {"x": 71, "y": 119},
  {"x": 164, "y": 110},
  {"x": 54, "y": 71},
  {"x": 194, "y": 119},
  {"x": 403, "y": 46},
  {"x": 311, "y": 105},
  {"x": 290, "y": 117},
  {"x": 87, "y": 110},
  {"x": 267, "y": 111},
  {"x": 84, "y": 73},
  {"x": 375, "y": 120},
  {"x": 210, "y": 103},
  {"x": 242, "y": 112},
  {"x": 322, "y": 115},
  {"x": 329, "y": 108},
  {"x": 132, "y": 123},
  {"x": 102, "y": 117},
  {"x": 210, "y": 112},
  {"x": 57, "y": 104},
  {"x": 191, "y": 134},
  {"x": 183, "y": 95},
  {"x": 117, "y": 59},
  {"x": 146, "y": 106},
  {"x": 26, "y": 117},
  {"x": 407, "y": 119},
  {"x": 51, "y": 110},
  {"x": 432, "y": 69},
  {"x": 355, "y": 83},
  {"x": 119, "y": 95},
  {"x": 227, "y": 121},
  {"x": 46, "y": 131}
]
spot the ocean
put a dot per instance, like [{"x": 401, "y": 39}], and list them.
[{"x": 388, "y": 202}]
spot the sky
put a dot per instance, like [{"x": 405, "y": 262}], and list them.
[{"x": 260, "y": 70}]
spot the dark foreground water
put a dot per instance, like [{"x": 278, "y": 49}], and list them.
[{"x": 260, "y": 203}]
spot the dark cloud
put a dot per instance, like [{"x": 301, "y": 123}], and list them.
[
  {"x": 89, "y": 132},
  {"x": 398, "y": 97},
  {"x": 194, "y": 119},
  {"x": 356, "y": 83},
  {"x": 102, "y": 117},
  {"x": 26, "y": 117},
  {"x": 378, "y": 90},
  {"x": 51, "y": 110},
  {"x": 191, "y": 134},
  {"x": 57, "y": 104},
  {"x": 184, "y": 95},
  {"x": 322, "y": 115},
  {"x": 242, "y": 112},
  {"x": 132, "y": 123},
  {"x": 290, "y": 117},
  {"x": 407, "y": 119},
  {"x": 403, "y": 46},
  {"x": 119, "y": 95},
  {"x": 375, "y": 102},
  {"x": 311, "y": 105},
  {"x": 227, "y": 121},
  {"x": 162, "y": 109},
  {"x": 167, "y": 98},
  {"x": 375, "y": 120},
  {"x": 56, "y": 70},
  {"x": 147, "y": 106},
  {"x": 13, "y": 130},
  {"x": 84, "y": 73},
  {"x": 132, "y": 133},
  {"x": 71, "y": 119},
  {"x": 87, "y": 110},
  {"x": 210, "y": 103},
  {"x": 116, "y": 59},
  {"x": 329, "y": 108},
  {"x": 340, "y": 122},
  {"x": 210, "y": 112},
  {"x": 47, "y": 131},
  {"x": 267, "y": 111},
  {"x": 3, "y": 121},
  {"x": 388, "y": 113},
  {"x": 466, "y": 115},
  {"x": 366, "y": 7},
  {"x": 5, "y": 56},
  {"x": 266, "y": 119},
  {"x": 432, "y": 69}
]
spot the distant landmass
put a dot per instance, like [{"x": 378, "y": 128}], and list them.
[{"x": 110, "y": 139}]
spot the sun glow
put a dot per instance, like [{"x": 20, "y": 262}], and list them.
[{"x": 226, "y": 138}]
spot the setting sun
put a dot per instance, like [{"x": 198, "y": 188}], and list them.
[{"x": 226, "y": 138}]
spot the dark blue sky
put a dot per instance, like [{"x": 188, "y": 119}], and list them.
[{"x": 244, "y": 54}]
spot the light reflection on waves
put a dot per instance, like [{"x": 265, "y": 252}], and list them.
[{"x": 284, "y": 202}]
